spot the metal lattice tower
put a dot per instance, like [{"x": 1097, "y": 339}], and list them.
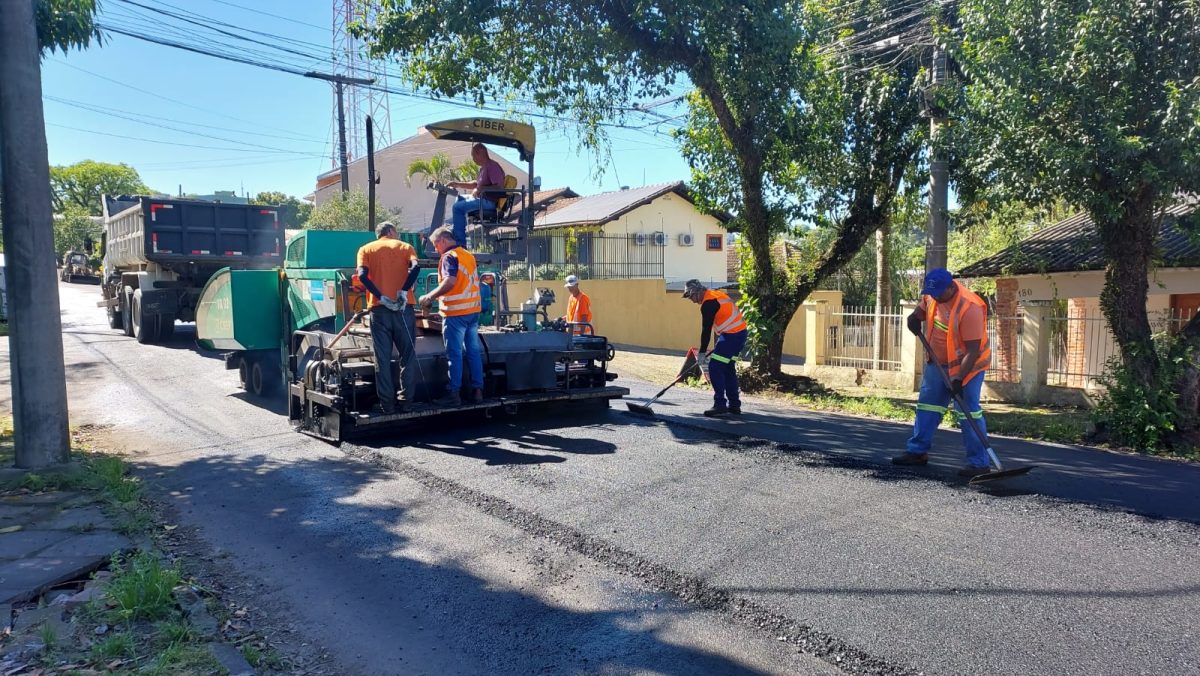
[{"x": 350, "y": 59}]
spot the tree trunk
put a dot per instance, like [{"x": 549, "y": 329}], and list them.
[
  {"x": 883, "y": 291},
  {"x": 1129, "y": 244}
]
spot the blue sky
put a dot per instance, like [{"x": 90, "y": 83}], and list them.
[{"x": 207, "y": 124}]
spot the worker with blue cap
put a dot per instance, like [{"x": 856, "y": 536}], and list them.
[{"x": 955, "y": 321}]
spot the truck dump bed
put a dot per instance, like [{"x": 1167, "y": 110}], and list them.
[{"x": 176, "y": 233}]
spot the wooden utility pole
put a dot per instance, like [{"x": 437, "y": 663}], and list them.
[
  {"x": 39, "y": 389},
  {"x": 939, "y": 171},
  {"x": 339, "y": 82}
]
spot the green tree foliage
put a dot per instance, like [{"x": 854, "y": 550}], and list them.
[
  {"x": 440, "y": 170},
  {"x": 74, "y": 231},
  {"x": 776, "y": 129},
  {"x": 65, "y": 24},
  {"x": 348, "y": 211},
  {"x": 1097, "y": 103},
  {"x": 295, "y": 212},
  {"x": 82, "y": 184}
]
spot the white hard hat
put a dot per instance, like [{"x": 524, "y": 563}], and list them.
[{"x": 572, "y": 280}]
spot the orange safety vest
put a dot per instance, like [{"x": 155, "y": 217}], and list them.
[
  {"x": 463, "y": 298},
  {"x": 956, "y": 349},
  {"x": 729, "y": 317}
]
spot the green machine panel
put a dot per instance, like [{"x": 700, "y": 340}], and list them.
[
  {"x": 240, "y": 310},
  {"x": 326, "y": 248}
]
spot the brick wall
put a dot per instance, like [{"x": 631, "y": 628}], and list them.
[
  {"x": 1006, "y": 348},
  {"x": 1076, "y": 341}
]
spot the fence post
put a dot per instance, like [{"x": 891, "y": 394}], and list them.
[
  {"x": 911, "y": 353},
  {"x": 1035, "y": 350},
  {"x": 816, "y": 322}
]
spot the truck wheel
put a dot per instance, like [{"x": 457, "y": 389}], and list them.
[
  {"x": 114, "y": 317},
  {"x": 263, "y": 381},
  {"x": 145, "y": 325},
  {"x": 127, "y": 312},
  {"x": 244, "y": 373}
]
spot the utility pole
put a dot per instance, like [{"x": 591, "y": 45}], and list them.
[
  {"x": 39, "y": 388},
  {"x": 339, "y": 81},
  {"x": 371, "y": 180},
  {"x": 939, "y": 172}
]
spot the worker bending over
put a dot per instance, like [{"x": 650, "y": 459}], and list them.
[
  {"x": 720, "y": 315},
  {"x": 579, "y": 306},
  {"x": 388, "y": 268},
  {"x": 459, "y": 305},
  {"x": 956, "y": 328}
]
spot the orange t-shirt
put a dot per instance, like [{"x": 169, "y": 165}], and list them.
[
  {"x": 387, "y": 261},
  {"x": 579, "y": 309},
  {"x": 972, "y": 327}
]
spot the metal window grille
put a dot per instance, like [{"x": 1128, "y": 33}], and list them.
[{"x": 859, "y": 337}]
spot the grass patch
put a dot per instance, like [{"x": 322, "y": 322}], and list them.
[
  {"x": 114, "y": 646},
  {"x": 141, "y": 587}
]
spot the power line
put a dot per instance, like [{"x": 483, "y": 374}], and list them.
[
  {"x": 168, "y": 143},
  {"x": 178, "y": 129},
  {"x": 96, "y": 108},
  {"x": 275, "y": 16}
]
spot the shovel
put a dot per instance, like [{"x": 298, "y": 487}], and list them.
[
  {"x": 997, "y": 471},
  {"x": 644, "y": 409}
]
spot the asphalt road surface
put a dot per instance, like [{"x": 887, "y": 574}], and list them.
[{"x": 597, "y": 542}]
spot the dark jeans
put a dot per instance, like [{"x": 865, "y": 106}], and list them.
[
  {"x": 390, "y": 328},
  {"x": 722, "y": 368}
]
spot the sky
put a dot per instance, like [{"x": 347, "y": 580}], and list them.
[{"x": 199, "y": 124}]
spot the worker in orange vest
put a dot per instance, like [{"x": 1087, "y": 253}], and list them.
[
  {"x": 459, "y": 304},
  {"x": 579, "y": 306},
  {"x": 719, "y": 315},
  {"x": 956, "y": 327}
]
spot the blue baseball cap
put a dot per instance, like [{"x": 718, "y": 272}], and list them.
[{"x": 937, "y": 281}]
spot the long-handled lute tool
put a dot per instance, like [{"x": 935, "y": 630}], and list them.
[
  {"x": 997, "y": 470},
  {"x": 644, "y": 409}
]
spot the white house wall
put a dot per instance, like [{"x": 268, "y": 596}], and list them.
[
  {"x": 391, "y": 164},
  {"x": 673, "y": 215},
  {"x": 1056, "y": 285}
]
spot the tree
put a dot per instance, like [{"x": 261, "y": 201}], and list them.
[
  {"x": 347, "y": 211},
  {"x": 439, "y": 170},
  {"x": 74, "y": 231},
  {"x": 1097, "y": 103},
  {"x": 296, "y": 212},
  {"x": 65, "y": 24},
  {"x": 776, "y": 129},
  {"x": 81, "y": 184}
]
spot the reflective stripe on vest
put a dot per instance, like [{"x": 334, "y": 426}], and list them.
[
  {"x": 463, "y": 298},
  {"x": 729, "y": 317},
  {"x": 956, "y": 349}
]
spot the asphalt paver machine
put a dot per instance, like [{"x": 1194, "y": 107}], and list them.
[{"x": 304, "y": 327}]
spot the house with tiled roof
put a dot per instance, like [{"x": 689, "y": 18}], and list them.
[
  {"x": 395, "y": 192},
  {"x": 631, "y": 232},
  {"x": 1064, "y": 263}
]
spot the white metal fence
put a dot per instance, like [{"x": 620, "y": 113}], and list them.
[
  {"x": 860, "y": 337},
  {"x": 1081, "y": 344}
]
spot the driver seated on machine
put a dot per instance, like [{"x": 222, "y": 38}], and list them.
[{"x": 491, "y": 176}]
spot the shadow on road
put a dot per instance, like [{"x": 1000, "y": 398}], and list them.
[
  {"x": 341, "y": 560},
  {"x": 489, "y": 438}
]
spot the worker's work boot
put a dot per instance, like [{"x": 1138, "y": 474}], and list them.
[
  {"x": 911, "y": 459},
  {"x": 736, "y": 410},
  {"x": 716, "y": 411},
  {"x": 477, "y": 396},
  {"x": 970, "y": 471},
  {"x": 448, "y": 399}
]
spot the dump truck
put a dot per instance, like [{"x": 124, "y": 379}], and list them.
[
  {"x": 303, "y": 327},
  {"x": 159, "y": 253}
]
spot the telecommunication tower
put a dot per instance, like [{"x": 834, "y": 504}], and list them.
[{"x": 350, "y": 59}]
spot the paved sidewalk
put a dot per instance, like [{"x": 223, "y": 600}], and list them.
[
  {"x": 1148, "y": 486},
  {"x": 48, "y": 538}
]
